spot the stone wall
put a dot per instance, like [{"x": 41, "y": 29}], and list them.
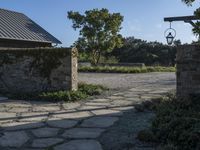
[
  {"x": 188, "y": 70},
  {"x": 39, "y": 69}
]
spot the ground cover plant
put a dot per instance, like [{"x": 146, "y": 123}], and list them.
[
  {"x": 176, "y": 125},
  {"x": 84, "y": 91},
  {"x": 108, "y": 69}
]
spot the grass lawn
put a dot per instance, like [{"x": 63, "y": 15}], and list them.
[{"x": 108, "y": 69}]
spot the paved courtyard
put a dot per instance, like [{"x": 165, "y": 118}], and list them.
[{"x": 35, "y": 125}]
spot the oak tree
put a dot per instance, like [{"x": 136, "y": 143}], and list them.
[{"x": 98, "y": 30}]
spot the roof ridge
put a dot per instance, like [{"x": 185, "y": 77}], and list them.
[{"x": 11, "y": 11}]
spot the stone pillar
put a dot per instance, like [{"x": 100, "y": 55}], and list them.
[
  {"x": 74, "y": 69},
  {"x": 188, "y": 70}
]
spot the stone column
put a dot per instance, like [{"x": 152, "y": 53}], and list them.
[
  {"x": 188, "y": 70},
  {"x": 74, "y": 69}
]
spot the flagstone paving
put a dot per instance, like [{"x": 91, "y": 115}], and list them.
[{"x": 29, "y": 125}]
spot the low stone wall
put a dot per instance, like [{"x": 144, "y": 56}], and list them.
[
  {"x": 39, "y": 69},
  {"x": 188, "y": 70}
]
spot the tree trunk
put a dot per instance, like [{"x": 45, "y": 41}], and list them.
[
  {"x": 98, "y": 56},
  {"x": 95, "y": 57}
]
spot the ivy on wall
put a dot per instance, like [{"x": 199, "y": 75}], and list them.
[{"x": 44, "y": 59}]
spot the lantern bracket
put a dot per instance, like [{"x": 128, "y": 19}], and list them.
[{"x": 170, "y": 34}]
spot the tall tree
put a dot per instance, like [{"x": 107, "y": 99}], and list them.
[{"x": 99, "y": 31}]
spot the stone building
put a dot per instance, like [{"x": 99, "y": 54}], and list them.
[{"x": 19, "y": 31}]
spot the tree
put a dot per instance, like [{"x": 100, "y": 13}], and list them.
[
  {"x": 188, "y": 2},
  {"x": 99, "y": 31},
  {"x": 196, "y": 30},
  {"x": 177, "y": 42},
  {"x": 140, "y": 51}
]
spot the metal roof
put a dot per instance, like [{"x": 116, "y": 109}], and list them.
[{"x": 17, "y": 26}]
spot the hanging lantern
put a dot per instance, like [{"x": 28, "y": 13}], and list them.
[
  {"x": 170, "y": 34},
  {"x": 170, "y": 38}
]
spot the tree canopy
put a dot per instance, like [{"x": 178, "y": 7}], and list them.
[
  {"x": 98, "y": 30},
  {"x": 188, "y": 2},
  {"x": 151, "y": 53}
]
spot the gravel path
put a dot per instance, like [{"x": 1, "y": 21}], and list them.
[{"x": 126, "y": 81}]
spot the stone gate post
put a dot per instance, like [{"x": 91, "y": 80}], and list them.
[{"x": 188, "y": 70}]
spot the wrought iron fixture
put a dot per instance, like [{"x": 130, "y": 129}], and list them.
[{"x": 170, "y": 34}]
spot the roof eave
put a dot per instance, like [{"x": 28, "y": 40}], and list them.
[{"x": 27, "y": 40}]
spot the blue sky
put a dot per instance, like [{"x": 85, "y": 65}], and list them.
[{"x": 142, "y": 18}]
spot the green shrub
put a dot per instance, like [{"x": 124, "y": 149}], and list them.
[
  {"x": 109, "y": 60},
  {"x": 91, "y": 89},
  {"x": 167, "y": 147},
  {"x": 177, "y": 123},
  {"x": 86, "y": 57},
  {"x": 108, "y": 69},
  {"x": 63, "y": 96},
  {"x": 84, "y": 91},
  {"x": 146, "y": 136}
]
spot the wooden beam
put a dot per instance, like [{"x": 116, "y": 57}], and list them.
[
  {"x": 192, "y": 23},
  {"x": 182, "y": 18}
]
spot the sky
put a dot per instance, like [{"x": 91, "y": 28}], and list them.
[{"x": 142, "y": 18}]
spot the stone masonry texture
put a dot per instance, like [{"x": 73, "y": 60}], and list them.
[
  {"x": 25, "y": 70},
  {"x": 188, "y": 70}
]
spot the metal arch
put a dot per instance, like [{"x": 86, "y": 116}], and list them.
[{"x": 170, "y": 28}]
